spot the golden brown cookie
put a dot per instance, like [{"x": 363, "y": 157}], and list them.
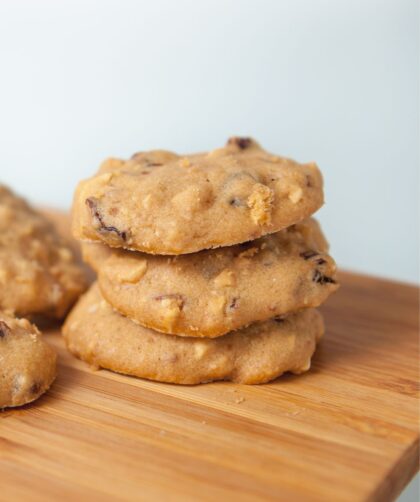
[
  {"x": 100, "y": 336},
  {"x": 160, "y": 203},
  {"x": 38, "y": 270},
  {"x": 27, "y": 363},
  {"x": 210, "y": 293}
]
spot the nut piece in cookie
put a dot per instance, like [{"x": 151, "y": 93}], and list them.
[
  {"x": 39, "y": 273},
  {"x": 27, "y": 363},
  {"x": 260, "y": 202}
]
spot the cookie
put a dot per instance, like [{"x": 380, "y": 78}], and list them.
[
  {"x": 100, "y": 336},
  {"x": 38, "y": 271},
  {"x": 160, "y": 203},
  {"x": 210, "y": 293},
  {"x": 27, "y": 363}
]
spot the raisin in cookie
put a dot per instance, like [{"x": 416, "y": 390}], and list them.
[
  {"x": 27, "y": 363},
  {"x": 210, "y": 293},
  {"x": 160, "y": 203},
  {"x": 100, "y": 336},
  {"x": 38, "y": 270}
]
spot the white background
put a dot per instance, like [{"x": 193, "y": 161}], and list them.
[{"x": 332, "y": 81}]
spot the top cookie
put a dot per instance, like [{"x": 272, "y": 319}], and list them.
[
  {"x": 160, "y": 203},
  {"x": 39, "y": 274}
]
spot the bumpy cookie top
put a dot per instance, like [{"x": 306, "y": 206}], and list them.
[
  {"x": 38, "y": 271},
  {"x": 27, "y": 363},
  {"x": 210, "y": 293},
  {"x": 162, "y": 203}
]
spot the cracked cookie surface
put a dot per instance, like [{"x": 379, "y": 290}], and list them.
[
  {"x": 210, "y": 293},
  {"x": 96, "y": 333},
  {"x": 27, "y": 363},
  {"x": 38, "y": 270},
  {"x": 161, "y": 203}
]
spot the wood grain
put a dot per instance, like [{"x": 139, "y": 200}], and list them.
[{"x": 347, "y": 430}]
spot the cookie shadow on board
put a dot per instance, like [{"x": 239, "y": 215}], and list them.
[{"x": 45, "y": 400}]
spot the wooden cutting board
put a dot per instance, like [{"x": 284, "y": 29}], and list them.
[{"x": 347, "y": 430}]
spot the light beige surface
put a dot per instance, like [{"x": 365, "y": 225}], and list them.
[
  {"x": 99, "y": 335},
  {"x": 346, "y": 430},
  {"x": 162, "y": 203},
  {"x": 210, "y": 293}
]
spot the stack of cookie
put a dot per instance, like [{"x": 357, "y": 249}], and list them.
[{"x": 209, "y": 266}]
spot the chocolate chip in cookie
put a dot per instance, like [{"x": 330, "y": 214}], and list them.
[
  {"x": 241, "y": 143},
  {"x": 92, "y": 203},
  {"x": 4, "y": 330}
]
